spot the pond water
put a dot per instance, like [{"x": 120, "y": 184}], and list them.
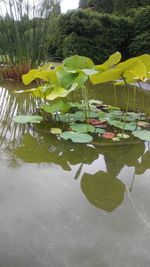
[{"x": 71, "y": 205}]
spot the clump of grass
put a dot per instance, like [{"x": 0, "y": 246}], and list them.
[{"x": 24, "y": 35}]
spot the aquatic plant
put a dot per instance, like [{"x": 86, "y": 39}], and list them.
[
  {"x": 87, "y": 119},
  {"x": 24, "y": 31}
]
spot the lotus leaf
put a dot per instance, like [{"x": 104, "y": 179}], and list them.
[
  {"x": 58, "y": 106},
  {"x": 123, "y": 135},
  {"x": 113, "y": 60},
  {"x": 23, "y": 119},
  {"x": 78, "y": 62},
  {"x": 60, "y": 92},
  {"x": 35, "y": 74},
  {"x": 143, "y": 135},
  {"x": 82, "y": 128},
  {"x": 56, "y": 131},
  {"x": 76, "y": 137},
  {"x": 65, "y": 79}
]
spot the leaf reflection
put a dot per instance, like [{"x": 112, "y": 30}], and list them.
[{"x": 103, "y": 190}]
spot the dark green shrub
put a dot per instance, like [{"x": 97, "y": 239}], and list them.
[
  {"x": 140, "y": 44},
  {"x": 91, "y": 34},
  {"x": 124, "y": 6},
  {"x": 141, "y": 41}
]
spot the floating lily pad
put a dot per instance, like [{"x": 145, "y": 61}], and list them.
[
  {"x": 116, "y": 139},
  {"x": 99, "y": 130},
  {"x": 123, "y": 135},
  {"x": 72, "y": 117},
  {"x": 76, "y": 137},
  {"x": 23, "y": 119},
  {"x": 108, "y": 135},
  {"x": 96, "y": 122},
  {"x": 55, "y": 130},
  {"x": 82, "y": 128},
  {"x": 143, "y": 135},
  {"x": 131, "y": 126}
]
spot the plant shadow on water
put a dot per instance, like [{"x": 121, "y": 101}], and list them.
[{"x": 103, "y": 189}]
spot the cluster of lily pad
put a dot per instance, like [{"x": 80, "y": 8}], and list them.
[{"x": 87, "y": 120}]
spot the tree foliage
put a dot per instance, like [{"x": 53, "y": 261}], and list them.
[
  {"x": 91, "y": 34},
  {"x": 98, "y": 5},
  {"x": 141, "y": 40},
  {"x": 123, "y": 6}
]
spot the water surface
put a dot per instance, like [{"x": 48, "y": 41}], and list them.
[{"x": 71, "y": 205}]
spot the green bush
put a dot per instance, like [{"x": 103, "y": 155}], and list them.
[
  {"x": 123, "y": 6},
  {"x": 141, "y": 41},
  {"x": 105, "y": 6},
  {"x": 140, "y": 44},
  {"x": 91, "y": 34}
]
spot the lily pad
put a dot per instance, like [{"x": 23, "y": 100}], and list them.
[
  {"x": 143, "y": 135},
  {"x": 56, "y": 131},
  {"x": 96, "y": 122},
  {"x": 123, "y": 135},
  {"x": 99, "y": 131},
  {"x": 82, "y": 128},
  {"x": 76, "y": 137},
  {"x": 131, "y": 126},
  {"x": 108, "y": 135},
  {"x": 23, "y": 119},
  {"x": 77, "y": 116},
  {"x": 116, "y": 139}
]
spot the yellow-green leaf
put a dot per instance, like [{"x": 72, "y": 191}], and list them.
[{"x": 113, "y": 60}]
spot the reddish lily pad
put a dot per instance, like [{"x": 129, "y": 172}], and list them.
[
  {"x": 98, "y": 123},
  {"x": 108, "y": 135}
]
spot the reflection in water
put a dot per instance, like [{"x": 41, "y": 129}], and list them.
[{"x": 103, "y": 189}]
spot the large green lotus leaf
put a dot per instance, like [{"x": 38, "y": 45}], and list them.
[
  {"x": 103, "y": 190},
  {"x": 23, "y": 119},
  {"x": 113, "y": 60},
  {"x": 76, "y": 137},
  {"x": 126, "y": 64},
  {"x": 82, "y": 128},
  {"x": 41, "y": 91},
  {"x": 81, "y": 78},
  {"x": 60, "y": 92},
  {"x": 35, "y": 74},
  {"x": 137, "y": 71},
  {"x": 58, "y": 106},
  {"x": 52, "y": 78},
  {"x": 133, "y": 69},
  {"x": 65, "y": 78},
  {"x": 143, "y": 135},
  {"x": 106, "y": 76},
  {"x": 78, "y": 62},
  {"x": 146, "y": 60},
  {"x": 47, "y": 66}
]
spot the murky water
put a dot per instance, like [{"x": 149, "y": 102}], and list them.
[{"x": 71, "y": 205}]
